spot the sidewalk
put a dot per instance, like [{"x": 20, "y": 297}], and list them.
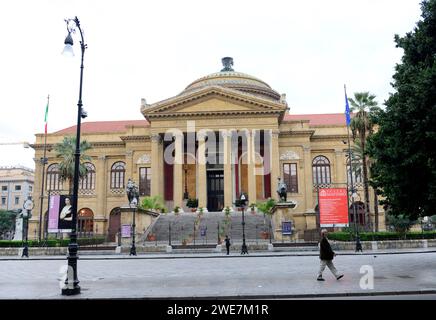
[
  {"x": 87, "y": 255},
  {"x": 266, "y": 275}
]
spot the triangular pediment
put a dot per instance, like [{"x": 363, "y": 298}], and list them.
[{"x": 212, "y": 100}]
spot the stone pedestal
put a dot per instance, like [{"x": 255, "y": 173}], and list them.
[
  {"x": 143, "y": 219},
  {"x": 301, "y": 221}
]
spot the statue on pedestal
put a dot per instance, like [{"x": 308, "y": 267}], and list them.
[
  {"x": 132, "y": 191},
  {"x": 282, "y": 190}
]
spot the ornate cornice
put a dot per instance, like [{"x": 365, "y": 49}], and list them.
[
  {"x": 211, "y": 113},
  {"x": 297, "y": 133},
  {"x": 135, "y": 138},
  {"x": 329, "y": 137}
]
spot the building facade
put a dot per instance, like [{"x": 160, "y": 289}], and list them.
[
  {"x": 227, "y": 133},
  {"x": 16, "y": 185}
]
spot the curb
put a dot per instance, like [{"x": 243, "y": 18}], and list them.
[{"x": 200, "y": 256}]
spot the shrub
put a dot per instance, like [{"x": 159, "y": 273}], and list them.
[{"x": 381, "y": 236}]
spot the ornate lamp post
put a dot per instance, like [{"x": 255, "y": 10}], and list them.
[
  {"x": 133, "y": 196},
  {"x": 243, "y": 202},
  {"x": 26, "y": 214},
  {"x": 72, "y": 282}
]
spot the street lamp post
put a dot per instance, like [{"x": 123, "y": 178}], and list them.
[
  {"x": 133, "y": 196},
  {"x": 72, "y": 282},
  {"x": 26, "y": 214},
  {"x": 133, "y": 204},
  {"x": 243, "y": 201}
]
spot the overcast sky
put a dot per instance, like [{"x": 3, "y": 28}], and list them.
[{"x": 154, "y": 49}]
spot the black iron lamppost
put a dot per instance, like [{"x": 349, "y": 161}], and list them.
[
  {"x": 26, "y": 214},
  {"x": 72, "y": 282},
  {"x": 243, "y": 202},
  {"x": 133, "y": 205},
  {"x": 133, "y": 196}
]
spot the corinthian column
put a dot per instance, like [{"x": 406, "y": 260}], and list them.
[
  {"x": 155, "y": 165},
  {"x": 251, "y": 172},
  {"x": 228, "y": 179},
  {"x": 201, "y": 164},
  {"x": 275, "y": 163},
  {"x": 178, "y": 171}
]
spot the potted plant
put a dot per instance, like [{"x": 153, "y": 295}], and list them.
[
  {"x": 227, "y": 211},
  {"x": 192, "y": 203},
  {"x": 176, "y": 210},
  {"x": 151, "y": 237},
  {"x": 253, "y": 208},
  {"x": 200, "y": 211}
]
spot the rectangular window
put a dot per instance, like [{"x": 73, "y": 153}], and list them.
[
  {"x": 4, "y": 188},
  {"x": 17, "y": 200},
  {"x": 18, "y": 188},
  {"x": 144, "y": 181},
  {"x": 30, "y": 189},
  {"x": 3, "y": 201},
  {"x": 290, "y": 177}
]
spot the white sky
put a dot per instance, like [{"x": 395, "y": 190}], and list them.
[{"x": 154, "y": 49}]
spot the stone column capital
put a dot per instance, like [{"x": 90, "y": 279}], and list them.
[
  {"x": 155, "y": 137},
  {"x": 102, "y": 158},
  {"x": 129, "y": 153}
]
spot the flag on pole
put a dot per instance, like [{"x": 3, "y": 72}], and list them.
[
  {"x": 347, "y": 108},
  {"x": 45, "y": 117}
]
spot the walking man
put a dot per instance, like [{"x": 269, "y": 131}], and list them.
[
  {"x": 227, "y": 240},
  {"x": 326, "y": 256}
]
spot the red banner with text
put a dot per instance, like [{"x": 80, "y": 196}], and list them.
[{"x": 333, "y": 207}]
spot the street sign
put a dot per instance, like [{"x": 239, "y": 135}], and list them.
[{"x": 286, "y": 227}]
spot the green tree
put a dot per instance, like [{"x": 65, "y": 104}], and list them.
[
  {"x": 7, "y": 221},
  {"x": 66, "y": 150},
  {"x": 404, "y": 147},
  {"x": 362, "y": 126}
]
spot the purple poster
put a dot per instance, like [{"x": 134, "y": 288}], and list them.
[
  {"x": 125, "y": 231},
  {"x": 53, "y": 213}
]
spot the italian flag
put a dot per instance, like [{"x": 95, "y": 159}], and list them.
[{"x": 45, "y": 118}]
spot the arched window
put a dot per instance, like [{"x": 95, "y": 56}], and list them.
[
  {"x": 118, "y": 171},
  {"x": 357, "y": 172},
  {"x": 360, "y": 213},
  {"x": 321, "y": 170},
  {"x": 54, "y": 181},
  {"x": 88, "y": 181}
]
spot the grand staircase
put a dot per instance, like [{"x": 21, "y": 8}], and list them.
[{"x": 192, "y": 228}]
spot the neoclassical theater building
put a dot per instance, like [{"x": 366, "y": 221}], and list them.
[{"x": 225, "y": 134}]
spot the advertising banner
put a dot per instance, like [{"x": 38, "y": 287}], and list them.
[
  {"x": 333, "y": 207},
  {"x": 65, "y": 221},
  {"x": 125, "y": 231},
  {"x": 53, "y": 214}
]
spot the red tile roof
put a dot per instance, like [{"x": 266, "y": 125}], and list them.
[
  {"x": 120, "y": 126},
  {"x": 104, "y": 126},
  {"x": 318, "y": 119}
]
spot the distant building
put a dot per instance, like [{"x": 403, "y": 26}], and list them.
[{"x": 16, "y": 184}]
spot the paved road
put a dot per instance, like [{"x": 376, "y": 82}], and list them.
[{"x": 223, "y": 277}]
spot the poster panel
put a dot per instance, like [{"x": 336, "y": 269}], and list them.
[
  {"x": 53, "y": 214},
  {"x": 65, "y": 221},
  {"x": 125, "y": 231},
  {"x": 333, "y": 207},
  {"x": 286, "y": 227}
]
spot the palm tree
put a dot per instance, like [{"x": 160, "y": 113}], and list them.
[
  {"x": 364, "y": 107},
  {"x": 66, "y": 150}
]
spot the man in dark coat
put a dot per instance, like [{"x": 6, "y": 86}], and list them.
[
  {"x": 227, "y": 240},
  {"x": 326, "y": 255}
]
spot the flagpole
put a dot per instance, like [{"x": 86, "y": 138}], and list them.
[
  {"x": 356, "y": 225},
  {"x": 44, "y": 162}
]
